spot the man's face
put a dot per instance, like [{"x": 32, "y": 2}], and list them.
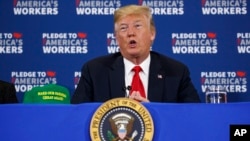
[{"x": 134, "y": 36}]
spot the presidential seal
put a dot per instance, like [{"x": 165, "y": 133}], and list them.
[{"x": 121, "y": 119}]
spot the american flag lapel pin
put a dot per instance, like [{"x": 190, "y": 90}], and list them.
[{"x": 159, "y": 76}]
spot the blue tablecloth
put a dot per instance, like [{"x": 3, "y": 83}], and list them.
[{"x": 173, "y": 122}]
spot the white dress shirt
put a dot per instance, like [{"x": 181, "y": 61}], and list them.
[{"x": 143, "y": 74}]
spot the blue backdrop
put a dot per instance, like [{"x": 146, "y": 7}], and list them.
[{"x": 48, "y": 41}]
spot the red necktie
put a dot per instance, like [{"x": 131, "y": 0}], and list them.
[{"x": 136, "y": 82}]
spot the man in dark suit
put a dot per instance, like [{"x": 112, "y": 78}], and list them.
[
  {"x": 164, "y": 79},
  {"x": 7, "y": 93}
]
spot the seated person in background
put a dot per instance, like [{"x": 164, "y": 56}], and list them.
[
  {"x": 164, "y": 79},
  {"x": 7, "y": 93},
  {"x": 48, "y": 94}
]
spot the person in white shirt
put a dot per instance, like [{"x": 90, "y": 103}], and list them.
[{"x": 164, "y": 79}]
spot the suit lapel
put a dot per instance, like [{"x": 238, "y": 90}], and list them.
[
  {"x": 117, "y": 80},
  {"x": 156, "y": 79}
]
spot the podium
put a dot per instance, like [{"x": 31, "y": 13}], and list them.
[{"x": 172, "y": 121}]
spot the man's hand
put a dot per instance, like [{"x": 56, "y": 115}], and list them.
[{"x": 137, "y": 96}]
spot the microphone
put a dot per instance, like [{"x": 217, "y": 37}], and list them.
[{"x": 127, "y": 89}]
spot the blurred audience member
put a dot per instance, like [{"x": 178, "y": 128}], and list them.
[{"x": 7, "y": 93}]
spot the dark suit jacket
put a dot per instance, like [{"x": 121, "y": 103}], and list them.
[
  {"x": 103, "y": 79},
  {"x": 7, "y": 93}
]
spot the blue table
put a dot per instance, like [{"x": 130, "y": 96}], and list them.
[{"x": 173, "y": 122}]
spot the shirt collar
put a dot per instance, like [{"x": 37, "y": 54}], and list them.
[{"x": 144, "y": 65}]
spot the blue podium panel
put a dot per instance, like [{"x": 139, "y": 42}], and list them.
[
  {"x": 174, "y": 122},
  {"x": 48, "y": 41}
]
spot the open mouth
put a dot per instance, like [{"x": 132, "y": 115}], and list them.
[{"x": 132, "y": 43}]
